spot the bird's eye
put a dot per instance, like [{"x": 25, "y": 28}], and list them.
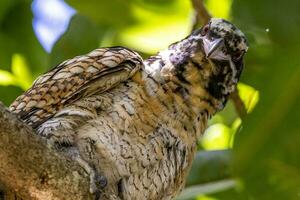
[
  {"x": 205, "y": 30},
  {"x": 238, "y": 55}
]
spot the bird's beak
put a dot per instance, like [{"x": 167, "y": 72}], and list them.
[{"x": 213, "y": 48}]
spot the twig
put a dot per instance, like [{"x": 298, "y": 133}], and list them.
[
  {"x": 201, "y": 13},
  {"x": 202, "y": 16},
  {"x": 238, "y": 104}
]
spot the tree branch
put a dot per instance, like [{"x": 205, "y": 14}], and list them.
[
  {"x": 238, "y": 103},
  {"x": 202, "y": 17},
  {"x": 33, "y": 170}
]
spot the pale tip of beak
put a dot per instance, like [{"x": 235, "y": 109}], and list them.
[{"x": 211, "y": 46}]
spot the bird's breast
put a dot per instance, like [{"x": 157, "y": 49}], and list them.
[{"x": 140, "y": 139}]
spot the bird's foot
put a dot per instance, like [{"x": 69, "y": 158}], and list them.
[
  {"x": 97, "y": 182},
  {"x": 60, "y": 135}
]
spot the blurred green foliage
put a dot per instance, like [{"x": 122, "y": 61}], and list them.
[
  {"x": 265, "y": 156},
  {"x": 266, "y": 151}
]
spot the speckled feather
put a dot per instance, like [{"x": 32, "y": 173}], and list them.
[
  {"x": 136, "y": 123},
  {"x": 71, "y": 80}
]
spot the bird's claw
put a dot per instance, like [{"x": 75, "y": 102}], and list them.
[
  {"x": 97, "y": 182},
  {"x": 101, "y": 181}
]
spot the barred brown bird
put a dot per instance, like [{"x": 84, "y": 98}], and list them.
[{"x": 137, "y": 123}]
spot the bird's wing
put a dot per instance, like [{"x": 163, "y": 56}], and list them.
[{"x": 81, "y": 76}]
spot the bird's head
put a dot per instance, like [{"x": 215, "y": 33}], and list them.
[
  {"x": 212, "y": 57},
  {"x": 223, "y": 42},
  {"x": 224, "y": 45}
]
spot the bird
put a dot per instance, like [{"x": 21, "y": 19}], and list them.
[{"x": 136, "y": 123}]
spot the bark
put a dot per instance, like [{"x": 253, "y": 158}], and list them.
[
  {"x": 31, "y": 169},
  {"x": 202, "y": 15}
]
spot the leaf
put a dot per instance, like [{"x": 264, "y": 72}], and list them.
[
  {"x": 21, "y": 71},
  {"x": 5, "y": 6},
  {"x": 80, "y": 38},
  {"x": 6, "y": 78},
  {"x": 9, "y": 93},
  {"x": 249, "y": 96},
  {"x": 216, "y": 137},
  {"x": 17, "y": 36},
  {"x": 208, "y": 188},
  {"x": 210, "y": 166},
  {"x": 266, "y": 151},
  {"x": 147, "y": 26},
  {"x": 157, "y": 26},
  {"x": 115, "y": 13},
  {"x": 219, "y": 8},
  {"x": 204, "y": 197}
]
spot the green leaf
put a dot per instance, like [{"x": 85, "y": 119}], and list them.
[
  {"x": 6, "y": 78},
  {"x": 114, "y": 13},
  {"x": 266, "y": 151},
  {"x": 249, "y": 96},
  {"x": 17, "y": 36},
  {"x": 219, "y": 8},
  {"x": 227, "y": 116},
  {"x": 208, "y": 188},
  {"x": 80, "y": 38},
  {"x": 9, "y": 93},
  {"x": 210, "y": 166},
  {"x": 21, "y": 71},
  {"x": 5, "y": 6},
  {"x": 216, "y": 137},
  {"x": 204, "y": 197},
  {"x": 157, "y": 26},
  {"x": 147, "y": 26}
]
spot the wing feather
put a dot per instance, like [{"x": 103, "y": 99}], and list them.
[{"x": 81, "y": 76}]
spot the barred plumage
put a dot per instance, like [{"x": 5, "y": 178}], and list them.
[
  {"x": 72, "y": 79},
  {"x": 137, "y": 123}
]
